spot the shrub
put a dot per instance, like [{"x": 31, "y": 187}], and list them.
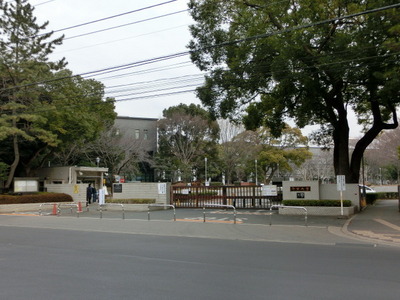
[
  {"x": 35, "y": 198},
  {"x": 131, "y": 201},
  {"x": 327, "y": 203},
  {"x": 371, "y": 198},
  {"x": 387, "y": 195}
]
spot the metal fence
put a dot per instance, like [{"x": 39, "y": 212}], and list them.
[{"x": 237, "y": 196}]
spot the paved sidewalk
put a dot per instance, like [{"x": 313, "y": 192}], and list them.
[{"x": 378, "y": 223}]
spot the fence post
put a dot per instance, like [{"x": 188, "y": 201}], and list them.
[{"x": 224, "y": 198}]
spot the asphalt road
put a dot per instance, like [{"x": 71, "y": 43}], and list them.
[{"x": 46, "y": 263}]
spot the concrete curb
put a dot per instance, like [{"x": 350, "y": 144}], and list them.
[{"x": 345, "y": 232}]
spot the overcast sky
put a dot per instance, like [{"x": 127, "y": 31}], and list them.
[
  {"x": 141, "y": 89},
  {"x": 158, "y": 31}
]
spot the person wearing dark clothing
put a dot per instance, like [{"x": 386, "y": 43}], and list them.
[
  {"x": 94, "y": 194},
  {"x": 89, "y": 192}
]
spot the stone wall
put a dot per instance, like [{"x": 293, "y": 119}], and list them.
[
  {"x": 77, "y": 191},
  {"x": 160, "y": 192},
  {"x": 313, "y": 190}
]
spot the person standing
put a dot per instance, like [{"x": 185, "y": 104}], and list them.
[
  {"x": 89, "y": 192},
  {"x": 94, "y": 194}
]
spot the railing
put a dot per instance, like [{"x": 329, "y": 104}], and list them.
[
  {"x": 70, "y": 205},
  {"x": 160, "y": 205},
  {"x": 282, "y": 206},
  {"x": 55, "y": 207},
  {"x": 219, "y": 205},
  {"x": 112, "y": 204}
]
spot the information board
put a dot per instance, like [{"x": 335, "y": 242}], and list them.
[
  {"x": 269, "y": 190},
  {"x": 341, "y": 182}
]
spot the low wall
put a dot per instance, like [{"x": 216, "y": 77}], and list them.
[
  {"x": 317, "y": 211},
  {"x": 76, "y": 191},
  {"x": 313, "y": 190},
  {"x": 138, "y": 190}
]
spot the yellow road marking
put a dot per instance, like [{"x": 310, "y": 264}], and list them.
[
  {"x": 19, "y": 214},
  {"x": 388, "y": 224}
]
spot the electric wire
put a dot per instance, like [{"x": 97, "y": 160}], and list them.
[
  {"x": 174, "y": 66},
  {"x": 124, "y": 25},
  {"x": 120, "y": 40},
  {"x": 118, "y": 68},
  {"x": 44, "y": 2},
  {"x": 106, "y": 18}
]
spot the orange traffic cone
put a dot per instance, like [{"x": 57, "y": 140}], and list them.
[
  {"x": 79, "y": 206},
  {"x": 54, "y": 209}
]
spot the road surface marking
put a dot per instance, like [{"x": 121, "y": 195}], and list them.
[{"x": 388, "y": 224}]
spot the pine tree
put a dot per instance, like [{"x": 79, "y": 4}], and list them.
[{"x": 24, "y": 61}]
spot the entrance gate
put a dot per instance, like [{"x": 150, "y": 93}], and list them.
[{"x": 238, "y": 196}]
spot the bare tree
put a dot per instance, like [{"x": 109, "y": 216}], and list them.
[
  {"x": 185, "y": 139},
  {"x": 319, "y": 167},
  {"x": 383, "y": 154},
  {"x": 119, "y": 151}
]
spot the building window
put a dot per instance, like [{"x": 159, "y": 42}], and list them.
[
  {"x": 137, "y": 134},
  {"x": 145, "y": 134}
]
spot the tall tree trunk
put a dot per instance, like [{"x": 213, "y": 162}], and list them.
[
  {"x": 341, "y": 146},
  {"x": 15, "y": 163}
]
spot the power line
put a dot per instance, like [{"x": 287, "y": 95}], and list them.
[
  {"x": 44, "y": 2},
  {"x": 151, "y": 70},
  {"x": 153, "y": 81},
  {"x": 158, "y": 90},
  {"x": 119, "y": 40},
  {"x": 105, "y": 70},
  {"x": 155, "y": 95},
  {"x": 287, "y": 30},
  {"x": 171, "y": 56},
  {"x": 106, "y": 18},
  {"x": 127, "y": 24}
]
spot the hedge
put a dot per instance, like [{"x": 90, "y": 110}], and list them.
[
  {"x": 327, "y": 203},
  {"x": 35, "y": 198},
  {"x": 387, "y": 195}
]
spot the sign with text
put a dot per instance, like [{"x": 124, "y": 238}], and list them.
[
  {"x": 162, "y": 188},
  {"x": 269, "y": 190},
  {"x": 300, "y": 188},
  {"x": 117, "y": 188},
  {"x": 341, "y": 182}
]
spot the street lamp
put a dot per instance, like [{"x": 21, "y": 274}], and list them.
[
  {"x": 97, "y": 161},
  {"x": 256, "y": 172},
  {"x": 205, "y": 164}
]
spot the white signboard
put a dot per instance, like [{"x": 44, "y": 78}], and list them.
[
  {"x": 269, "y": 190},
  {"x": 26, "y": 185},
  {"x": 102, "y": 197},
  {"x": 341, "y": 182},
  {"x": 162, "y": 188}
]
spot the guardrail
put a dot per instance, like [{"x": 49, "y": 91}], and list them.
[
  {"x": 282, "y": 206},
  {"x": 55, "y": 208},
  {"x": 71, "y": 205},
  {"x": 112, "y": 204},
  {"x": 219, "y": 205},
  {"x": 160, "y": 205}
]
